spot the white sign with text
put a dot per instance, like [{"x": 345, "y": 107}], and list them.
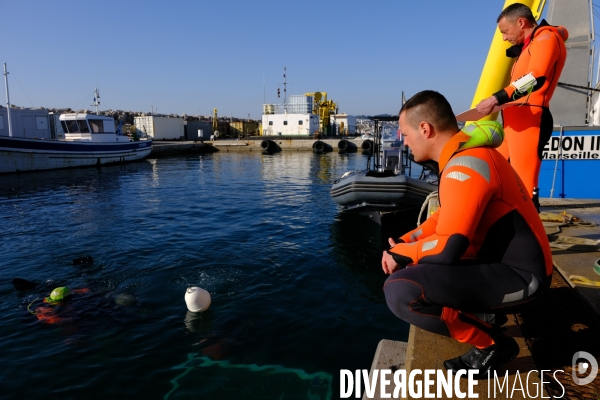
[{"x": 572, "y": 147}]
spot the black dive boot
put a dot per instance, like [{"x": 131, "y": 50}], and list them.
[
  {"x": 487, "y": 359},
  {"x": 536, "y": 199},
  {"x": 495, "y": 320}
]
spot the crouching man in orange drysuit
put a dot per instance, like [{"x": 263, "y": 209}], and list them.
[
  {"x": 484, "y": 251},
  {"x": 540, "y": 51}
]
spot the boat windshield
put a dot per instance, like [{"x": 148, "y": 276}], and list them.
[
  {"x": 97, "y": 125},
  {"x": 75, "y": 126},
  {"x": 70, "y": 126},
  {"x": 83, "y": 126}
]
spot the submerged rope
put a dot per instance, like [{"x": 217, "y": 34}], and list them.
[{"x": 29, "y": 305}]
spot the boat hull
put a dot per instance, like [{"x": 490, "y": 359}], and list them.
[
  {"x": 386, "y": 190},
  {"x": 20, "y": 155}
]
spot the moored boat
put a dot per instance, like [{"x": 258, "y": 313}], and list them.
[
  {"x": 34, "y": 140},
  {"x": 385, "y": 185},
  {"x": 88, "y": 139},
  {"x": 379, "y": 189}
]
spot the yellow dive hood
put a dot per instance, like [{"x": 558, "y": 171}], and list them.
[{"x": 496, "y": 70}]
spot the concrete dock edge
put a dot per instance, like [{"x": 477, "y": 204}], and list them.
[{"x": 389, "y": 355}]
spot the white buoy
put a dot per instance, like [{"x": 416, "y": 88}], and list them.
[{"x": 197, "y": 299}]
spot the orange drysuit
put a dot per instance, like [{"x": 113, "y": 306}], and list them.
[
  {"x": 483, "y": 250},
  {"x": 528, "y": 126}
]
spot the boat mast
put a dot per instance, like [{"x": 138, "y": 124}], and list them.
[
  {"x": 284, "y": 90},
  {"x": 96, "y": 102},
  {"x": 7, "y": 101}
]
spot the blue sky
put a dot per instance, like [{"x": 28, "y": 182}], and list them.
[{"x": 193, "y": 56}]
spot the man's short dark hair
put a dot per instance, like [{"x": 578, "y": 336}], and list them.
[
  {"x": 432, "y": 107},
  {"x": 516, "y": 11}
]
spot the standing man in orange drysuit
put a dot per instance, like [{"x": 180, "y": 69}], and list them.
[
  {"x": 483, "y": 251},
  {"x": 540, "y": 51}
]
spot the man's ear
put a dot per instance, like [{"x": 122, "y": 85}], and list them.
[{"x": 426, "y": 129}]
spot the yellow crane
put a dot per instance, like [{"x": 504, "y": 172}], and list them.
[{"x": 323, "y": 108}]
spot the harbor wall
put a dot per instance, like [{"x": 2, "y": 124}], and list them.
[{"x": 271, "y": 145}]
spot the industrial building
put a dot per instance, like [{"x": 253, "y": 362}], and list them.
[
  {"x": 159, "y": 128},
  {"x": 289, "y": 124},
  {"x": 197, "y": 130},
  {"x": 293, "y": 118},
  {"x": 244, "y": 128},
  {"x": 343, "y": 124},
  {"x": 306, "y": 115}
]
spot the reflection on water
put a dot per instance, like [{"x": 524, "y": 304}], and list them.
[
  {"x": 294, "y": 282},
  {"x": 357, "y": 247}
]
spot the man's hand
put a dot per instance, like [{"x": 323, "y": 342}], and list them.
[
  {"x": 487, "y": 105},
  {"x": 388, "y": 263},
  {"x": 392, "y": 263}
]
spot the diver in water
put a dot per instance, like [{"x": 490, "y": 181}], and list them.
[
  {"x": 63, "y": 304},
  {"x": 56, "y": 308}
]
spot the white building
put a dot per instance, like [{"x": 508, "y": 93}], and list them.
[
  {"x": 159, "y": 128},
  {"x": 343, "y": 124},
  {"x": 289, "y": 124}
]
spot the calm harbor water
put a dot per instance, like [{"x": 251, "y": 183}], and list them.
[{"x": 296, "y": 285}]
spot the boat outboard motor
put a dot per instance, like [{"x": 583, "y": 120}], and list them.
[
  {"x": 391, "y": 163},
  {"x": 391, "y": 156}
]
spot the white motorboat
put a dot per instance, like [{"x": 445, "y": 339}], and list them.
[
  {"x": 35, "y": 140},
  {"x": 88, "y": 139},
  {"x": 385, "y": 185}
]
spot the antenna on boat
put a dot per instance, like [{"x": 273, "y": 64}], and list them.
[
  {"x": 96, "y": 101},
  {"x": 7, "y": 101},
  {"x": 284, "y": 85},
  {"x": 284, "y": 90}
]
